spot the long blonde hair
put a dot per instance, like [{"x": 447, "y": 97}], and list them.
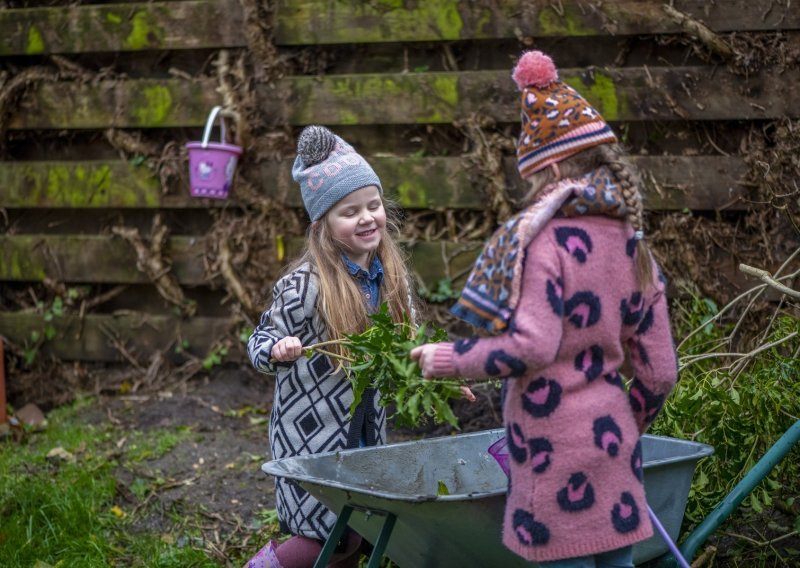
[
  {"x": 341, "y": 302},
  {"x": 588, "y": 160}
]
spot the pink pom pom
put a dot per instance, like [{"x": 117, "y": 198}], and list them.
[{"x": 534, "y": 68}]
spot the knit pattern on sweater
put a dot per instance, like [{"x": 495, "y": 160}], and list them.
[{"x": 573, "y": 428}]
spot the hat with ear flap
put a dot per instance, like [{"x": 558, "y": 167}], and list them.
[
  {"x": 328, "y": 169},
  {"x": 557, "y": 122}
]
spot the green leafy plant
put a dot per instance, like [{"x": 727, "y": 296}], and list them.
[
  {"x": 739, "y": 403},
  {"x": 48, "y": 331},
  {"x": 442, "y": 292},
  {"x": 215, "y": 356},
  {"x": 379, "y": 358}
]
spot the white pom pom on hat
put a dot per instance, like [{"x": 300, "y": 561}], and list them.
[{"x": 534, "y": 69}]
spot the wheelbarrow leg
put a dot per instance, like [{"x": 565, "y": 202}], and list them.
[
  {"x": 333, "y": 538},
  {"x": 383, "y": 540}
]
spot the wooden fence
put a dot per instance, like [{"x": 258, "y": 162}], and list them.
[{"x": 395, "y": 73}]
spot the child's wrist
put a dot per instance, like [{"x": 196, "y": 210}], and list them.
[{"x": 443, "y": 365}]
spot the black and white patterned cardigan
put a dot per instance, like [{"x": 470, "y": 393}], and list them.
[{"x": 311, "y": 408}]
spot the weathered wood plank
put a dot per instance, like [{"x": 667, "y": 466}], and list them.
[
  {"x": 92, "y": 259},
  {"x": 620, "y": 94},
  {"x": 340, "y": 21},
  {"x": 671, "y": 182},
  {"x": 121, "y": 27},
  {"x": 138, "y": 103},
  {"x": 78, "y": 184},
  {"x": 218, "y": 23},
  {"x": 106, "y": 259},
  {"x": 142, "y": 334}
]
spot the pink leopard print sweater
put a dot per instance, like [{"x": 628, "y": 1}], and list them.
[{"x": 573, "y": 428}]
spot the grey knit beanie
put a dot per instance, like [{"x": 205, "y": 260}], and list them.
[{"x": 328, "y": 169}]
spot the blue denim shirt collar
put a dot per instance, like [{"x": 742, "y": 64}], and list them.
[
  {"x": 375, "y": 269},
  {"x": 369, "y": 281}
]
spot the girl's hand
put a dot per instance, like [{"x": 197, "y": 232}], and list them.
[
  {"x": 287, "y": 349},
  {"x": 423, "y": 355}
]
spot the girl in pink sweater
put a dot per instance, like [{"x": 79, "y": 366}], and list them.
[{"x": 569, "y": 289}]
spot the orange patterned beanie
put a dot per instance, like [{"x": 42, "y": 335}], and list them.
[{"x": 557, "y": 122}]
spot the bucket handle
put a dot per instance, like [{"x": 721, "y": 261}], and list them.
[{"x": 210, "y": 124}]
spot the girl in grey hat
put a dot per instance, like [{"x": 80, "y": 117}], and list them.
[{"x": 350, "y": 265}]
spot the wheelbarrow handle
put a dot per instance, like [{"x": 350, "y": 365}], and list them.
[{"x": 775, "y": 454}]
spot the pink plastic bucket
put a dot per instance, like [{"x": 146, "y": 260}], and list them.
[{"x": 212, "y": 164}]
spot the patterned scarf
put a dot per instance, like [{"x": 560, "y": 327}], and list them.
[{"x": 492, "y": 290}]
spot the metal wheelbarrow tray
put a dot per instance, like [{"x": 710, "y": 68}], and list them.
[{"x": 403, "y": 482}]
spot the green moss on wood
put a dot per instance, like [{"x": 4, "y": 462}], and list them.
[
  {"x": 145, "y": 31},
  {"x": 445, "y": 90},
  {"x": 448, "y": 19},
  {"x": 373, "y": 99},
  {"x": 113, "y": 18},
  {"x": 568, "y": 24},
  {"x": 410, "y": 194},
  {"x": 599, "y": 89},
  {"x": 16, "y": 262},
  {"x": 82, "y": 184},
  {"x": 156, "y": 106},
  {"x": 35, "y": 41},
  {"x": 343, "y": 20},
  {"x": 92, "y": 258}
]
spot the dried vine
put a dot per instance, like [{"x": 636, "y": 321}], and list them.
[
  {"x": 152, "y": 259},
  {"x": 488, "y": 146}
]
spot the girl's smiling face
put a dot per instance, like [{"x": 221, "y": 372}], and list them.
[{"x": 357, "y": 223}]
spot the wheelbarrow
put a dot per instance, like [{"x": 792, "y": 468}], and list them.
[{"x": 439, "y": 502}]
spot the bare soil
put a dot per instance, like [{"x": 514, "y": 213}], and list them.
[{"x": 214, "y": 473}]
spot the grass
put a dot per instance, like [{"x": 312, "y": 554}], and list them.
[
  {"x": 65, "y": 511},
  {"x": 69, "y": 511}
]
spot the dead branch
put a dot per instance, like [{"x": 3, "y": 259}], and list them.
[
  {"x": 486, "y": 156},
  {"x": 131, "y": 144},
  {"x": 104, "y": 297},
  {"x": 152, "y": 261},
  {"x": 233, "y": 282},
  {"x": 258, "y": 20},
  {"x": 767, "y": 278},
  {"x": 687, "y": 361},
  {"x": 120, "y": 347},
  {"x": 13, "y": 90},
  {"x": 700, "y": 32},
  {"x": 71, "y": 69},
  {"x": 706, "y": 558}
]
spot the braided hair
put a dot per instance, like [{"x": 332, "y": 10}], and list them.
[
  {"x": 629, "y": 181},
  {"x": 611, "y": 156}
]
